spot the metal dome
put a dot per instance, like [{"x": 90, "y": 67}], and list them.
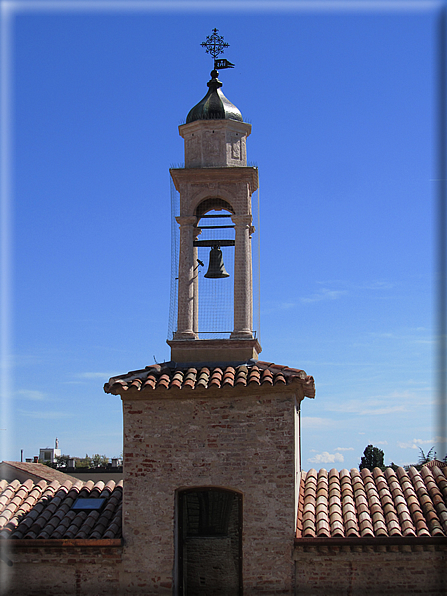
[{"x": 214, "y": 106}]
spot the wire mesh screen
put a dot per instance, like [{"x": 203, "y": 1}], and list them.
[
  {"x": 215, "y": 295},
  {"x": 175, "y": 243},
  {"x": 256, "y": 263}
]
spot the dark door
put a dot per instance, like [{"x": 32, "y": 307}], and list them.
[{"x": 210, "y": 542}]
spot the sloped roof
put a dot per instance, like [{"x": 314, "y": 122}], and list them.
[
  {"x": 43, "y": 510},
  {"x": 355, "y": 504},
  {"x": 372, "y": 504},
  {"x": 11, "y": 470},
  {"x": 169, "y": 376}
]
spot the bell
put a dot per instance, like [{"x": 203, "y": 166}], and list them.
[{"x": 216, "y": 268}]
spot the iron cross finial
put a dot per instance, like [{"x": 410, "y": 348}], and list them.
[{"x": 216, "y": 45}]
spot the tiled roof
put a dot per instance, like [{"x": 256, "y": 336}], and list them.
[
  {"x": 436, "y": 463},
  {"x": 373, "y": 504},
  {"x": 25, "y": 470},
  {"x": 43, "y": 510},
  {"x": 173, "y": 377}
]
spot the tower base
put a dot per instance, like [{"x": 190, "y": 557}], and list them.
[{"x": 214, "y": 350}]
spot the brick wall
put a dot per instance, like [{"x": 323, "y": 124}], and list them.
[
  {"x": 371, "y": 571},
  {"x": 61, "y": 571},
  {"x": 236, "y": 440}
]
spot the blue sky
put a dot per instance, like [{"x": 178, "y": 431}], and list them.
[{"x": 342, "y": 105}]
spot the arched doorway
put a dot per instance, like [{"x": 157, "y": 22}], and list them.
[{"x": 209, "y": 542}]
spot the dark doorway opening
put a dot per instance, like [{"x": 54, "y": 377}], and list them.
[{"x": 209, "y": 542}]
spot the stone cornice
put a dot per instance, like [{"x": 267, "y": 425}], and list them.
[{"x": 246, "y": 174}]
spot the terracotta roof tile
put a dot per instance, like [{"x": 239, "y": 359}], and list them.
[
  {"x": 361, "y": 502},
  {"x": 435, "y": 495},
  {"x": 44, "y": 511},
  {"x": 413, "y": 503},
  {"x": 175, "y": 377},
  {"x": 389, "y": 503},
  {"x": 322, "y": 509},
  {"x": 428, "y": 509},
  {"x": 335, "y": 510}
]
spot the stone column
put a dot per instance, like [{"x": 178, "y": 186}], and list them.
[
  {"x": 252, "y": 229},
  {"x": 195, "y": 327},
  {"x": 185, "y": 321},
  {"x": 243, "y": 290}
]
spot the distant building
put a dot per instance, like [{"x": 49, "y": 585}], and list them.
[{"x": 49, "y": 454}]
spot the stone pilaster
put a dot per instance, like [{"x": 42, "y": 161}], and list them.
[
  {"x": 196, "y": 233},
  {"x": 185, "y": 322},
  {"x": 243, "y": 291}
]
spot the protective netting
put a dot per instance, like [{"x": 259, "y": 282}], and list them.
[
  {"x": 216, "y": 296},
  {"x": 175, "y": 244}
]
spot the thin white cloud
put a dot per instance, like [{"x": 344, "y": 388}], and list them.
[
  {"x": 415, "y": 443},
  {"x": 334, "y": 289},
  {"x": 32, "y": 394},
  {"x": 83, "y": 378},
  {"x": 382, "y": 335},
  {"x": 324, "y": 294},
  {"x": 383, "y": 411},
  {"x": 396, "y": 401},
  {"x": 344, "y": 449},
  {"x": 372, "y": 410},
  {"x": 94, "y": 375},
  {"x": 45, "y": 415},
  {"x": 316, "y": 422},
  {"x": 277, "y": 306},
  {"x": 326, "y": 458},
  {"x": 408, "y": 335},
  {"x": 377, "y": 285}
]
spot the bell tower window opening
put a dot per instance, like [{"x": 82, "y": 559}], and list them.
[{"x": 214, "y": 243}]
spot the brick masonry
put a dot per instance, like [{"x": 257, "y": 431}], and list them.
[
  {"x": 371, "y": 571},
  {"x": 245, "y": 443},
  {"x": 61, "y": 571}
]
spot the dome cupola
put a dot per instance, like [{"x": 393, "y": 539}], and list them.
[{"x": 214, "y": 106}]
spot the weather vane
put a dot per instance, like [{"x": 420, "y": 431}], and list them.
[{"x": 215, "y": 45}]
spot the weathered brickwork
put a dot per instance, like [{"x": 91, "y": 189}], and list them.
[
  {"x": 371, "y": 571},
  {"x": 62, "y": 571},
  {"x": 246, "y": 444}
]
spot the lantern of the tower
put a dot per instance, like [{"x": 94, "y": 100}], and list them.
[{"x": 215, "y": 187}]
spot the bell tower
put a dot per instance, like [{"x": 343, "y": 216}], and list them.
[
  {"x": 215, "y": 183},
  {"x": 211, "y": 438}
]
